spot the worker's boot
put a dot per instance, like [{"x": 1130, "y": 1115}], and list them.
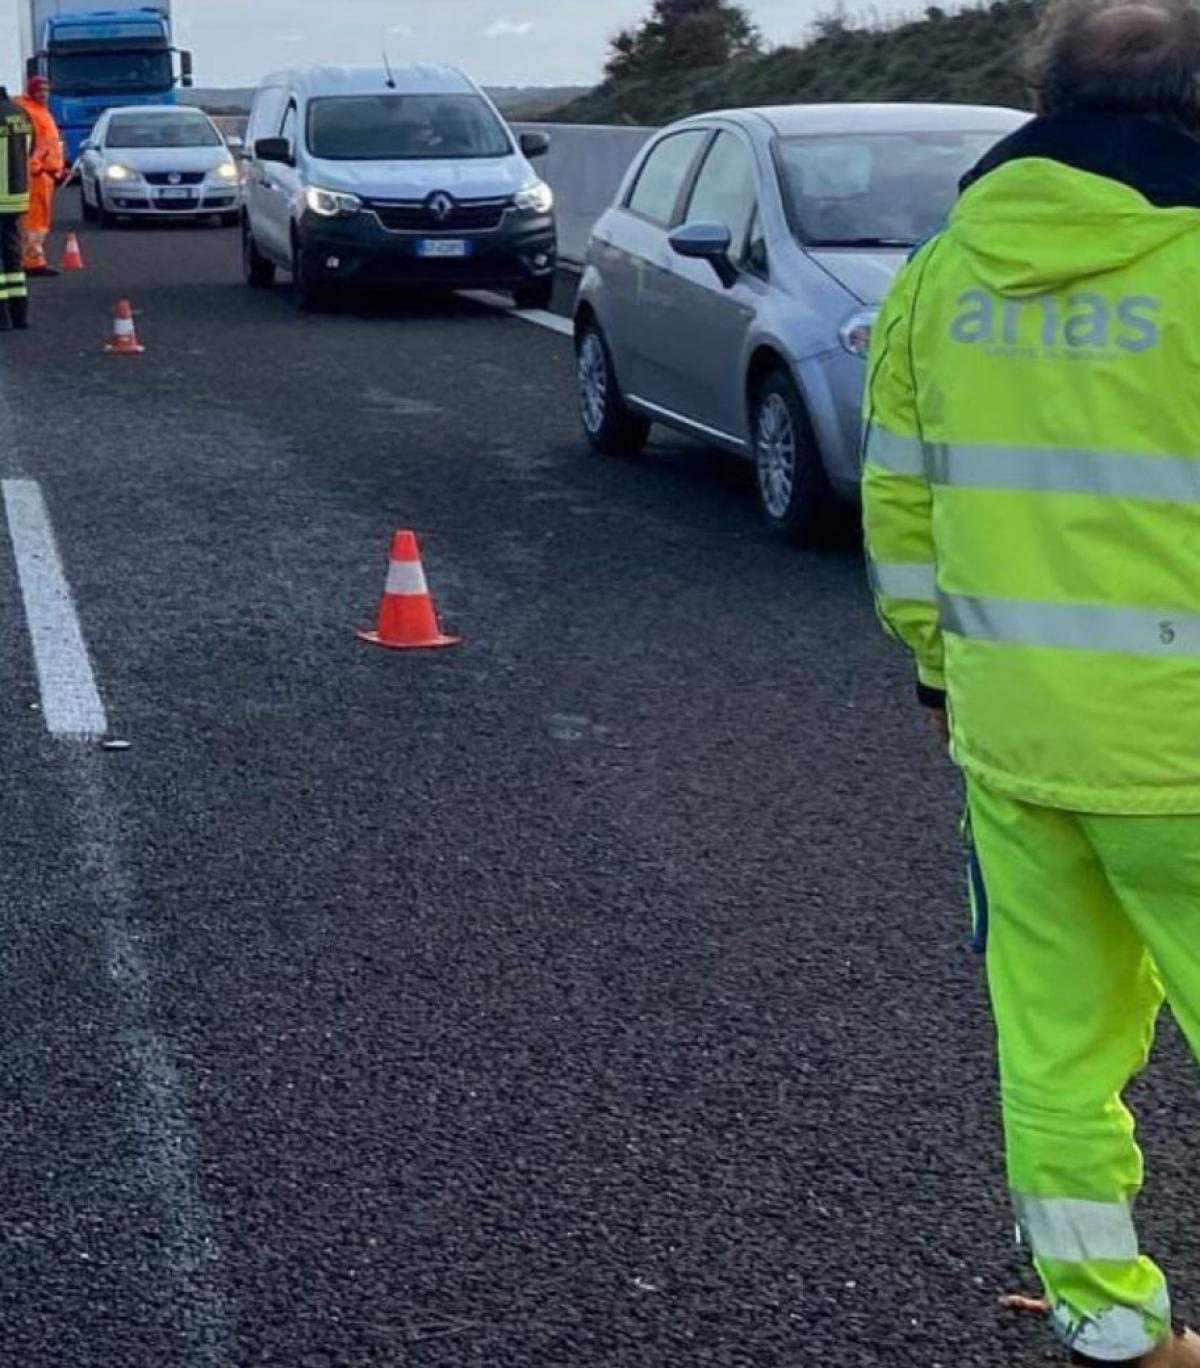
[
  {"x": 18, "y": 310},
  {"x": 6, "y": 322}
]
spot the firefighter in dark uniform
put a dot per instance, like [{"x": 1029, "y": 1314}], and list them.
[{"x": 16, "y": 137}]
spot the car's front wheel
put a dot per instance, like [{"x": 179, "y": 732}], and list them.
[
  {"x": 87, "y": 207},
  {"x": 609, "y": 425},
  {"x": 793, "y": 489},
  {"x": 259, "y": 272}
]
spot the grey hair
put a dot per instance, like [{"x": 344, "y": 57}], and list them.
[{"x": 1119, "y": 56}]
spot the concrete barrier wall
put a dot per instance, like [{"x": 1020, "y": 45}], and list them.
[{"x": 585, "y": 166}]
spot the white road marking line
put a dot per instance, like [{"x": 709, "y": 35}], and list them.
[
  {"x": 70, "y": 699},
  {"x": 540, "y": 317},
  {"x": 154, "y": 1094}
]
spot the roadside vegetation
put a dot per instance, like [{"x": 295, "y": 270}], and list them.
[{"x": 692, "y": 55}]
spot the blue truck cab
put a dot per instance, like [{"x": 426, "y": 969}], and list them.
[{"x": 97, "y": 59}]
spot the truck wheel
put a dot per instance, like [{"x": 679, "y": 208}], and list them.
[
  {"x": 610, "y": 427},
  {"x": 259, "y": 272},
  {"x": 793, "y": 489}
]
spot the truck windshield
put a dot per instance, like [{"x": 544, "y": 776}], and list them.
[
  {"x": 103, "y": 73},
  {"x": 405, "y": 128},
  {"x": 875, "y": 189},
  {"x": 161, "y": 130}
]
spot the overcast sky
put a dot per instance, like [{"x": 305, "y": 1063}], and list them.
[{"x": 501, "y": 42}]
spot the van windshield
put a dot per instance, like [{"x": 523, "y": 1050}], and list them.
[{"x": 405, "y": 128}]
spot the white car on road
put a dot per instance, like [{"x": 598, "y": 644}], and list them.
[{"x": 158, "y": 161}]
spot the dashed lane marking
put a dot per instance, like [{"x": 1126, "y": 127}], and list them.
[
  {"x": 541, "y": 318},
  {"x": 71, "y": 703}
]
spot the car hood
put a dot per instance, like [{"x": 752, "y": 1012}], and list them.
[
  {"x": 866, "y": 274},
  {"x": 147, "y": 159},
  {"x": 414, "y": 180}
]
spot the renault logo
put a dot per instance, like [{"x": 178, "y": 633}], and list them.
[{"x": 441, "y": 206}]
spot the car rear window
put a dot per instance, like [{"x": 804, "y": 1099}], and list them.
[{"x": 405, "y": 128}]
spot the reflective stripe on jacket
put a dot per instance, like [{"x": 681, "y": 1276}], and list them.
[
  {"x": 1031, "y": 475},
  {"x": 15, "y": 136},
  {"x": 47, "y": 156}
]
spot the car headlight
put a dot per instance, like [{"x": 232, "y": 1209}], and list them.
[
  {"x": 535, "y": 198},
  {"x": 331, "y": 203},
  {"x": 227, "y": 171},
  {"x": 855, "y": 332},
  {"x": 117, "y": 172}
]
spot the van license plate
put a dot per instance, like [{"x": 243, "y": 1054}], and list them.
[{"x": 443, "y": 247}]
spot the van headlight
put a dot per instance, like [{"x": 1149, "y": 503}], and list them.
[
  {"x": 331, "y": 203},
  {"x": 535, "y": 198},
  {"x": 855, "y": 332}
]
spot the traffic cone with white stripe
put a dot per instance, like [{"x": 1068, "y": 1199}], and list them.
[
  {"x": 124, "y": 340},
  {"x": 72, "y": 257},
  {"x": 407, "y": 619}
]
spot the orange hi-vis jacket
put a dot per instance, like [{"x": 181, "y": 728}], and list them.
[{"x": 47, "y": 157}]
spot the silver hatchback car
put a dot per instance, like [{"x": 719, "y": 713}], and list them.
[{"x": 730, "y": 290}]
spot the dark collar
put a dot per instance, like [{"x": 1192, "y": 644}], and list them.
[{"x": 1159, "y": 160}]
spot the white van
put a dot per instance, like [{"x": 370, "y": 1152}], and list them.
[{"x": 365, "y": 175}]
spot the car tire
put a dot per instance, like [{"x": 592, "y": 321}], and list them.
[
  {"x": 103, "y": 217},
  {"x": 259, "y": 272},
  {"x": 87, "y": 208},
  {"x": 538, "y": 294},
  {"x": 230, "y": 220},
  {"x": 794, "y": 493},
  {"x": 610, "y": 427},
  {"x": 309, "y": 297}
]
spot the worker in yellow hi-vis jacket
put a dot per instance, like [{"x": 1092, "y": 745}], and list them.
[
  {"x": 1032, "y": 507},
  {"x": 16, "y": 134}
]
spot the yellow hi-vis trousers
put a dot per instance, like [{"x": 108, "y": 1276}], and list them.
[{"x": 1088, "y": 920}]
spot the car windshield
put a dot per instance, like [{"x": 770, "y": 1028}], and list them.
[
  {"x": 161, "y": 130},
  {"x": 405, "y": 128},
  {"x": 875, "y": 189},
  {"x": 87, "y": 73}
]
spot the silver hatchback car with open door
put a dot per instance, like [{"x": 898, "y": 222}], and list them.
[{"x": 730, "y": 290}]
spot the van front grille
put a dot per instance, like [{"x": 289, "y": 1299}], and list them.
[{"x": 414, "y": 216}]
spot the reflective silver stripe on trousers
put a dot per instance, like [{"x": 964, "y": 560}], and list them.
[
  {"x": 1064, "y": 470},
  {"x": 905, "y": 580},
  {"x": 900, "y": 455},
  {"x": 1074, "y": 626},
  {"x": 1074, "y": 1230},
  {"x": 405, "y": 577}
]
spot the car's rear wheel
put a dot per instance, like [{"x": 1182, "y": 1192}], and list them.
[
  {"x": 609, "y": 425},
  {"x": 259, "y": 272},
  {"x": 793, "y": 489},
  {"x": 538, "y": 294}
]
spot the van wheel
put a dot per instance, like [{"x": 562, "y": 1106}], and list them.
[
  {"x": 538, "y": 294},
  {"x": 793, "y": 490},
  {"x": 609, "y": 426},
  {"x": 308, "y": 295},
  {"x": 259, "y": 272}
]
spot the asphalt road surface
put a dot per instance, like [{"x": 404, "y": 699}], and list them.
[{"x": 596, "y": 995}]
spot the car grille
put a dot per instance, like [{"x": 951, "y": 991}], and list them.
[
  {"x": 413, "y": 216},
  {"x": 182, "y": 177}
]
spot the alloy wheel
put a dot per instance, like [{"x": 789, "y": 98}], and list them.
[
  {"x": 593, "y": 382},
  {"x": 776, "y": 455}
]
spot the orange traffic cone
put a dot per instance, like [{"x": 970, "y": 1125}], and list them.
[
  {"x": 72, "y": 257},
  {"x": 407, "y": 620},
  {"x": 124, "y": 340}
]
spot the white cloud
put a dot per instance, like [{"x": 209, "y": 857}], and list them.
[{"x": 508, "y": 28}]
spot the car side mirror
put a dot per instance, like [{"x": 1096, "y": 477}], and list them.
[
  {"x": 274, "y": 150},
  {"x": 535, "y": 144},
  {"x": 86, "y": 146},
  {"x": 186, "y": 70},
  {"x": 711, "y": 242}
]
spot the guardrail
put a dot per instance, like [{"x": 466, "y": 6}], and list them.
[{"x": 584, "y": 167}]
